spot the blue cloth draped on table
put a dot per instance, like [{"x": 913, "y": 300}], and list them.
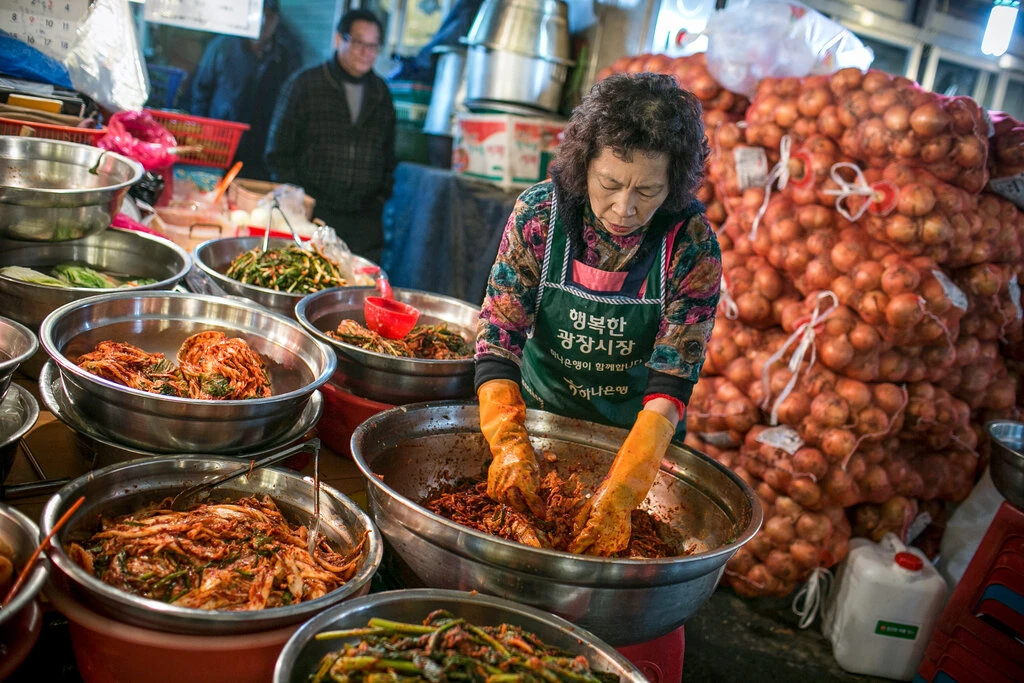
[{"x": 441, "y": 231}]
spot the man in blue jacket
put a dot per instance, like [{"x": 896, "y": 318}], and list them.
[{"x": 239, "y": 79}]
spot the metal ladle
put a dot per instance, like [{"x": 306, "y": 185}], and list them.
[{"x": 200, "y": 492}]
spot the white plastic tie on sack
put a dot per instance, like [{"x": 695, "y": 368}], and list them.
[
  {"x": 858, "y": 188},
  {"x": 955, "y": 295},
  {"x": 779, "y": 173},
  {"x": 805, "y": 334},
  {"x": 732, "y": 311},
  {"x": 1014, "y": 288},
  {"x": 812, "y": 596},
  {"x": 781, "y": 437}
]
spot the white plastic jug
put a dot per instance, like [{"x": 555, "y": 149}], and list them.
[{"x": 881, "y": 614}]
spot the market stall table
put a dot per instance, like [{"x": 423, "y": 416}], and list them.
[
  {"x": 729, "y": 638},
  {"x": 441, "y": 231}
]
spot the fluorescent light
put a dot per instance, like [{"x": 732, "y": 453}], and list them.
[{"x": 1000, "y": 27}]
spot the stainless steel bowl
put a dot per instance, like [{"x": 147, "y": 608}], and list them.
[
  {"x": 52, "y": 191},
  {"x": 214, "y": 256},
  {"x": 17, "y": 345},
  {"x": 103, "y": 451},
  {"x": 124, "y": 488},
  {"x": 22, "y": 534},
  {"x": 303, "y": 652},
  {"x": 384, "y": 378},
  {"x": 159, "y": 322},
  {"x": 1006, "y": 459},
  {"x": 532, "y": 28},
  {"x": 18, "y": 414},
  {"x": 407, "y": 452},
  {"x": 122, "y": 252},
  {"x": 534, "y": 83}
]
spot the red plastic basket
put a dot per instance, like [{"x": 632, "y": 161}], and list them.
[
  {"x": 218, "y": 139},
  {"x": 84, "y": 136}
]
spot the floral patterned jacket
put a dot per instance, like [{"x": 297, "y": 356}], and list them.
[{"x": 507, "y": 314}]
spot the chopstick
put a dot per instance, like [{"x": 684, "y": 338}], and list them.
[{"x": 23, "y": 576}]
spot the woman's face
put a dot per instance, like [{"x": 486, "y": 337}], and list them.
[{"x": 625, "y": 194}]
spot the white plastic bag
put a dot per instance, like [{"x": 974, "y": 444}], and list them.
[
  {"x": 105, "y": 61},
  {"x": 291, "y": 199},
  {"x": 966, "y": 527},
  {"x": 748, "y": 42}
]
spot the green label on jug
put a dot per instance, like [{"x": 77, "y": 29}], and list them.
[{"x": 895, "y": 630}]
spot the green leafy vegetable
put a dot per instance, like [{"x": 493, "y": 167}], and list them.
[{"x": 23, "y": 274}]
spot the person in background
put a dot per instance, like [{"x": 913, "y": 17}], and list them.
[
  {"x": 333, "y": 134},
  {"x": 239, "y": 79},
  {"x": 602, "y": 298}
]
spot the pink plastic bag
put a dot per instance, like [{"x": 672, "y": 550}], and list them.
[{"x": 137, "y": 135}]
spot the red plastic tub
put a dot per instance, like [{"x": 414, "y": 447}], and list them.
[{"x": 343, "y": 412}]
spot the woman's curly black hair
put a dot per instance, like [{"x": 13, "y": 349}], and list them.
[{"x": 634, "y": 113}]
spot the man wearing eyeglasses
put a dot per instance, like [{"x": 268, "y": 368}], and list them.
[{"x": 333, "y": 134}]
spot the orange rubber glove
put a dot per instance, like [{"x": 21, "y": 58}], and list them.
[
  {"x": 513, "y": 476},
  {"x": 602, "y": 525}
]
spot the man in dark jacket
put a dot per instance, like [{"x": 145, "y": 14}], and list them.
[
  {"x": 333, "y": 134},
  {"x": 239, "y": 79}
]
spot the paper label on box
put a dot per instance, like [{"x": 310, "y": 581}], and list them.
[
  {"x": 751, "y": 166},
  {"x": 781, "y": 437},
  {"x": 955, "y": 295},
  {"x": 1010, "y": 187}
]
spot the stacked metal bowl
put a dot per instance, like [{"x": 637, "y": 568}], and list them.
[
  {"x": 52, "y": 191},
  {"x": 409, "y": 453},
  {"x": 381, "y": 377},
  {"x": 18, "y": 409},
  {"x": 158, "y": 322},
  {"x": 213, "y": 257},
  {"x": 130, "y": 254}
]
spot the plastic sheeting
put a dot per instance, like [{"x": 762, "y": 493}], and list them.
[{"x": 441, "y": 231}]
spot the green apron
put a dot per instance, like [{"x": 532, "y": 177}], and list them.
[{"x": 594, "y": 331}]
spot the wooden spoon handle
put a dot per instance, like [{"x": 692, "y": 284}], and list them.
[{"x": 23, "y": 576}]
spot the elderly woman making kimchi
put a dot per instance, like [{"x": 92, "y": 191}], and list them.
[{"x": 602, "y": 298}]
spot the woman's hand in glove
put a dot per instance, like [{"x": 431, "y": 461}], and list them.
[
  {"x": 513, "y": 477},
  {"x": 603, "y": 524}
]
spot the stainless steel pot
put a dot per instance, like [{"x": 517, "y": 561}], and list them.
[
  {"x": 17, "y": 345},
  {"x": 449, "y": 90},
  {"x": 52, "y": 191},
  {"x": 124, "y": 488},
  {"x": 18, "y": 414},
  {"x": 22, "y": 535},
  {"x": 101, "y": 451},
  {"x": 407, "y": 452},
  {"x": 532, "y": 28},
  {"x": 303, "y": 652},
  {"x": 384, "y": 378},
  {"x": 213, "y": 257},
  {"x": 159, "y": 322},
  {"x": 1007, "y": 459},
  {"x": 122, "y": 252},
  {"x": 495, "y": 74}
]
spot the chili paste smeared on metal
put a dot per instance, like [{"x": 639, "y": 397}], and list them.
[{"x": 233, "y": 556}]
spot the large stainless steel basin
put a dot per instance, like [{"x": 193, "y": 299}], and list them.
[{"x": 406, "y": 452}]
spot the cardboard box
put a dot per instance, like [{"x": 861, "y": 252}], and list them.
[{"x": 504, "y": 149}]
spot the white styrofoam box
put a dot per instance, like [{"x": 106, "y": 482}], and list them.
[{"x": 504, "y": 149}]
